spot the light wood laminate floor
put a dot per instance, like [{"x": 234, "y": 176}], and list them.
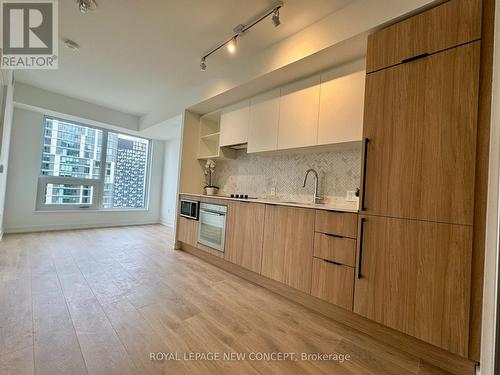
[{"x": 100, "y": 301}]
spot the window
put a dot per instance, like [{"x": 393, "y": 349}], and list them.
[{"x": 72, "y": 174}]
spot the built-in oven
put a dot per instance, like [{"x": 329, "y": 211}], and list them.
[
  {"x": 189, "y": 209},
  {"x": 212, "y": 226}
]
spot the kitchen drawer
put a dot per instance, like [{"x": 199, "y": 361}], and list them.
[
  {"x": 336, "y": 249},
  {"x": 338, "y": 223},
  {"x": 333, "y": 283},
  {"x": 448, "y": 25}
]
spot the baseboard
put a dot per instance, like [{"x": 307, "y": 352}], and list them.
[
  {"x": 429, "y": 353},
  {"x": 56, "y": 227},
  {"x": 167, "y": 223}
]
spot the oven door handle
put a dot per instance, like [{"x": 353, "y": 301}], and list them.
[{"x": 210, "y": 212}]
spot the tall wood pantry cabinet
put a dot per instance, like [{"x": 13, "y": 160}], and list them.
[{"x": 420, "y": 123}]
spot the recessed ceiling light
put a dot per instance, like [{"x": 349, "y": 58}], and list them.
[
  {"x": 86, "y": 5},
  {"x": 72, "y": 45}
]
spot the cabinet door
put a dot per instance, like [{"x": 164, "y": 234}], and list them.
[
  {"x": 245, "y": 234},
  {"x": 341, "y": 107},
  {"x": 448, "y": 25},
  {"x": 187, "y": 231},
  {"x": 288, "y": 246},
  {"x": 234, "y": 124},
  {"x": 299, "y": 107},
  {"x": 263, "y": 124},
  {"x": 415, "y": 278},
  {"x": 420, "y": 122}
]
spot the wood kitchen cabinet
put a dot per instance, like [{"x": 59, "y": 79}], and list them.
[
  {"x": 234, "y": 124},
  {"x": 334, "y": 248},
  {"x": 448, "y": 25},
  {"x": 414, "y": 276},
  {"x": 298, "y": 114},
  {"x": 420, "y": 123},
  {"x": 333, "y": 282},
  {"x": 245, "y": 234},
  {"x": 187, "y": 231},
  {"x": 341, "y": 107},
  {"x": 288, "y": 246},
  {"x": 263, "y": 124}
]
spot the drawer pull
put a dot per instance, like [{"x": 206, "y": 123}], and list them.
[
  {"x": 332, "y": 262},
  {"x": 333, "y": 235},
  {"x": 415, "y": 58}
]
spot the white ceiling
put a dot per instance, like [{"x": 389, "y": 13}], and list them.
[{"x": 137, "y": 54}]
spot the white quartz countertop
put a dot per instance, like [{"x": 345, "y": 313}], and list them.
[{"x": 340, "y": 205}]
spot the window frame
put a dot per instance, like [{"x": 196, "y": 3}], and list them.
[{"x": 96, "y": 183}]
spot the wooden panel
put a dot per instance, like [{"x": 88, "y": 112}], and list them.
[
  {"x": 415, "y": 277},
  {"x": 481, "y": 186},
  {"x": 299, "y": 108},
  {"x": 288, "y": 246},
  {"x": 450, "y": 24},
  {"x": 245, "y": 234},
  {"x": 341, "y": 107},
  {"x": 333, "y": 283},
  {"x": 394, "y": 339},
  {"x": 337, "y": 249},
  {"x": 187, "y": 231},
  {"x": 234, "y": 124},
  {"x": 338, "y": 223},
  {"x": 420, "y": 119},
  {"x": 264, "y": 119}
]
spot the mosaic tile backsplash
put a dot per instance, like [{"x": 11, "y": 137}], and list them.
[{"x": 282, "y": 175}]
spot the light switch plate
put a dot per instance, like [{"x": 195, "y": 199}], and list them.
[{"x": 351, "y": 196}]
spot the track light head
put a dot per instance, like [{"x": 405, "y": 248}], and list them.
[
  {"x": 276, "y": 18},
  {"x": 231, "y": 45},
  {"x": 203, "y": 65}
]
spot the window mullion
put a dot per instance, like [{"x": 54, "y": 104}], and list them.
[{"x": 102, "y": 171}]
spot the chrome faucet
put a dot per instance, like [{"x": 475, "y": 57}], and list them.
[{"x": 317, "y": 199}]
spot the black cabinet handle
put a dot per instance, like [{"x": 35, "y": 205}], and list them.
[
  {"x": 365, "y": 158},
  {"x": 361, "y": 235},
  {"x": 413, "y": 58},
  {"x": 333, "y": 235},
  {"x": 332, "y": 262}
]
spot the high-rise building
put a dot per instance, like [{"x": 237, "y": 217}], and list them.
[{"x": 75, "y": 151}]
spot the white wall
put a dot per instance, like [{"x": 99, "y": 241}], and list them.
[
  {"x": 24, "y": 169},
  {"x": 6, "y": 112},
  {"x": 50, "y": 103},
  {"x": 170, "y": 181}
]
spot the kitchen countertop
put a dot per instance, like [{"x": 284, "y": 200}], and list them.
[{"x": 340, "y": 205}]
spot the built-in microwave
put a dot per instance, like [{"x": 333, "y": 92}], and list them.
[{"x": 189, "y": 209}]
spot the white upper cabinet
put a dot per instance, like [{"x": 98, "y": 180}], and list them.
[
  {"x": 341, "y": 107},
  {"x": 234, "y": 124},
  {"x": 264, "y": 119},
  {"x": 299, "y": 108}
]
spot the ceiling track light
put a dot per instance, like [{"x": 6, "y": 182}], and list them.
[
  {"x": 231, "y": 45},
  {"x": 239, "y": 30},
  {"x": 86, "y": 5}
]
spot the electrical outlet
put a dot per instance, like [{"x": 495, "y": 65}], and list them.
[{"x": 351, "y": 196}]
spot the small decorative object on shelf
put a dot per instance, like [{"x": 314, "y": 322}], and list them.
[{"x": 209, "y": 172}]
